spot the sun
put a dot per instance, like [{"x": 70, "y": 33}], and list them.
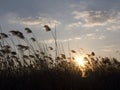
[{"x": 80, "y": 61}]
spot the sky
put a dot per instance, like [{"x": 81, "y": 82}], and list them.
[{"x": 89, "y": 24}]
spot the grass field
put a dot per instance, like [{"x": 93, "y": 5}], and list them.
[{"x": 28, "y": 64}]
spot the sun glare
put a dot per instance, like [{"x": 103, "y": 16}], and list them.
[{"x": 80, "y": 61}]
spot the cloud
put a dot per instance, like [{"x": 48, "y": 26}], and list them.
[
  {"x": 74, "y": 25},
  {"x": 52, "y": 41},
  {"x": 101, "y": 37},
  {"x": 40, "y": 21},
  {"x": 108, "y": 48},
  {"x": 94, "y": 18},
  {"x": 82, "y": 5},
  {"x": 49, "y": 41},
  {"x": 113, "y": 27},
  {"x": 77, "y": 38},
  {"x": 94, "y": 36},
  {"x": 32, "y": 21}
]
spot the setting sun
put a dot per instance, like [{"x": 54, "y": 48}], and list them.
[{"x": 80, "y": 61}]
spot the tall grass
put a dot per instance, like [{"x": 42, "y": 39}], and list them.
[{"x": 30, "y": 58}]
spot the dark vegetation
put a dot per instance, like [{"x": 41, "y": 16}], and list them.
[{"x": 29, "y": 65}]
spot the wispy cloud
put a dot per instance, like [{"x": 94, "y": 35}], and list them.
[
  {"x": 94, "y": 36},
  {"x": 77, "y": 38},
  {"x": 74, "y": 25},
  {"x": 113, "y": 27},
  {"x": 109, "y": 48},
  {"x": 101, "y": 37},
  {"x": 106, "y": 50},
  {"x": 32, "y": 21},
  {"x": 82, "y": 5},
  {"x": 94, "y": 18}
]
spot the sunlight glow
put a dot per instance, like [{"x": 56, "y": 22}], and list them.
[{"x": 80, "y": 61}]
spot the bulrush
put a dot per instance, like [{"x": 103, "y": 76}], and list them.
[
  {"x": 73, "y": 51},
  {"x": 2, "y": 52},
  {"x": 63, "y": 56},
  {"x": 20, "y": 35},
  {"x": 13, "y": 53},
  {"x": 17, "y": 33},
  {"x": 23, "y": 47},
  {"x": 3, "y": 35},
  {"x": 6, "y": 47},
  {"x": 92, "y": 53},
  {"x": 25, "y": 57},
  {"x": 50, "y": 48},
  {"x": 47, "y": 28},
  {"x": 13, "y": 32},
  {"x": 33, "y": 39},
  {"x": 31, "y": 56},
  {"x": 28, "y": 30}
]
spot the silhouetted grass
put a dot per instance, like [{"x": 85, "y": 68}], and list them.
[{"x": 29, "y": 65}]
